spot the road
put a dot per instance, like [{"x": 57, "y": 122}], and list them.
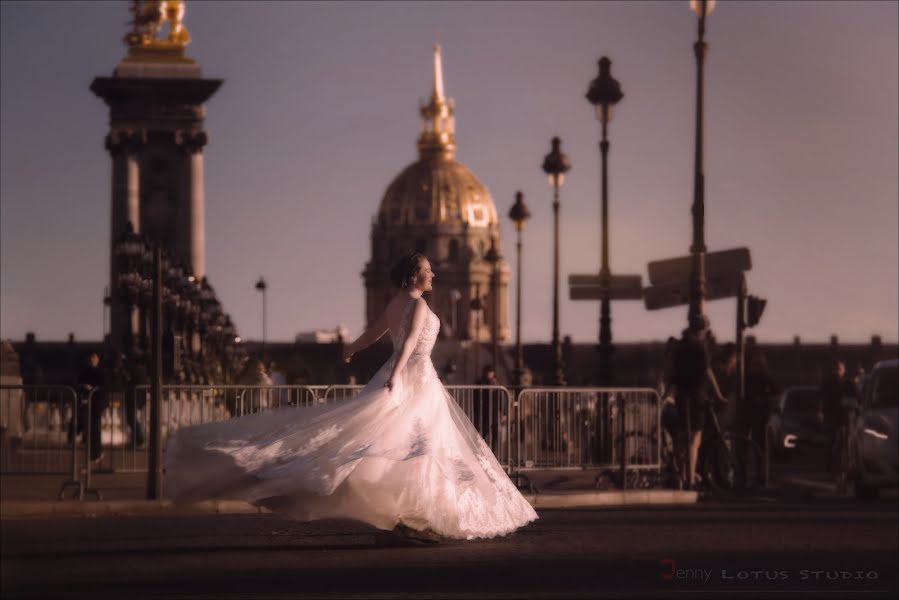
[{"x": 834, "y": 548}]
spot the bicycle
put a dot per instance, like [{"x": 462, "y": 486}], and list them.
[{"x": 726, "y": 462}]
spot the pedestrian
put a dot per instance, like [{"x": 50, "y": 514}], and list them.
[
  {"x": 760, "y": 387},
  {"x": 91, "y": 404},
  {"x": 724, "y": 367},
  {"x": 486, "y": 410},
  {"x": 695, "y": 388},
  {"x": 835, "y": 386},
  {"x": 257, "y": 397},
  {"x": 276, "y": 374}
]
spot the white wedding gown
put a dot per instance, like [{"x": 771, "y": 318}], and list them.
[{"x": 408, "y": 456}]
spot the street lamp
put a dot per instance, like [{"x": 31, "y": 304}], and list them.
[
  {"x": 519, "y": 213},
  {"x": 604, "y": 94},
  {"x": 695, "y": 316},
  {"x": 555, "y": 165},
  {"x": 493, "y": 258},
  {"x": 477, "y": 306},
  {"x": 128, "y": 250},
  {"x": 454, "y": 297},
  {"x": 262, "y": 286}
]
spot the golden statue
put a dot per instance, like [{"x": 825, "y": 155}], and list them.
[{"x": 148, "y": 18}]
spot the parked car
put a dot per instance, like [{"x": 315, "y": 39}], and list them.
[
  {"x": 794, "y": 420},
  {"x": 876, "y": 440}
]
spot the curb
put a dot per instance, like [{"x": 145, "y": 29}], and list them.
[
  {"x": 19, "y": 510},
  {"x": 594, "y": 498}
]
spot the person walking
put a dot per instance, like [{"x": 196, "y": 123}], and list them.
[{"x": 91, "y": 404}]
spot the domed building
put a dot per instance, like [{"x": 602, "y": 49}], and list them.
[{"x": 438, "y": 207}]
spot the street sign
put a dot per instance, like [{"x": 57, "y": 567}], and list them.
[
  {"x": 586, "y": 292},
  {"x": 717, "y": 264},
  {"x": 676, "y": 294},
  {"x": 615, "y": 281},
  {"x": 621, "y": 287}
]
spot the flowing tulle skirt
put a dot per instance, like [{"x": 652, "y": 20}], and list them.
[{"x": 409, "y": 456}]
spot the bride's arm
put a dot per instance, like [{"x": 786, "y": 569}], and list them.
[
  {"x": 419, "y": 315},
  {"x": 369, "y": 337}
]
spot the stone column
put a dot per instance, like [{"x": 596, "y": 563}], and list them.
[{"x": 191, "y": 143}]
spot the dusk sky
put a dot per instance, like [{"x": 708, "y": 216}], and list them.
[{"x": 318, "y": 113}]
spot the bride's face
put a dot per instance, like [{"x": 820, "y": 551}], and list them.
[{"x": 425, "y": 276}]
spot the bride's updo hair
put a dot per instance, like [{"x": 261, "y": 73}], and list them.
[{"x": 405, "y": 269}]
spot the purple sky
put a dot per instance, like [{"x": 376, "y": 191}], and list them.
[{"x": 319, "y": 112}]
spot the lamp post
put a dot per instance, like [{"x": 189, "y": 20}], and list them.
[
  {"x": 477, "y": 306},
  {"x": 154, "y": 467},
  {"x": 454, "y": 297},
  {"x": 128, "y": 251},
  {"x": 107, "y": 302},
  {"x": 604, "y": 94},
  {"x": 493, "y": 258},
  {"x": 555, "y": 165},
  {"x": 519, "y": 213},
  {"x": 695, "y": 316},
  {"x": 262, "y": 286}
]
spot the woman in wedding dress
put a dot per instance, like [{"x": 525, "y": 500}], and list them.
[{"x": 401, "y": 454}]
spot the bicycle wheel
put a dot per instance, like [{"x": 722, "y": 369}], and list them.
[{"x": 735, "y": 462}]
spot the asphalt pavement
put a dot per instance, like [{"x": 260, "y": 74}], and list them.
[{"x": 835, "y": 548}]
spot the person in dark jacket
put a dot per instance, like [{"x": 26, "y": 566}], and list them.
[
  {"x": 486, "y": 409},
  {"x": 835, "y": 386},
  {"x": 760, "y": 388},
  {"x": 91, "y": 404},
  {"x": 695, "y": 388}
]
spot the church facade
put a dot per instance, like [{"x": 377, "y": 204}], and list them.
[{"x": 438, "y": 207}]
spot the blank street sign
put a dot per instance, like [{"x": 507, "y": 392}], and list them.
[
  {"x": 615, "y": 281},
  {"x": 590, "y": 292},
  {"x": 621, "y": 287},
  {"x": 676, "y": 294},
  {"x": 717, "y": 264}
]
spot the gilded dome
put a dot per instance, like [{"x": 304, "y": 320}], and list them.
[{"x": 437, "y": 191}]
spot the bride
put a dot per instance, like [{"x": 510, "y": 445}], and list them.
[{"x": 401, "y": 454}]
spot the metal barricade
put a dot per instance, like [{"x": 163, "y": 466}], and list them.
[
  {"x": 39, "y": 428},
  {"x": 577, "y": 428},
  {"x": 490, "y": 408},
  {"x": 125, "y": 420},
  {"x": 337, "y": 393}
]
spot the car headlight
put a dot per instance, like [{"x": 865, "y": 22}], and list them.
[{"x": 876, "y": 427}]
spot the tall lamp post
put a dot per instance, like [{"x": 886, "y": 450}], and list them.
[
  {"x": 262, "y": 286},
  {"x": 604, "y": 94},
  {"x": 477, "y": 306},
  {"x": 555, "y": 165},
  {"x": 519, "y": 213},
  {"x": 493, "y": 258},
  {"x": 695, "y": 315}
]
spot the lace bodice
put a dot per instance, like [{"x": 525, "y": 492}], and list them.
[{"x": 428, "y": 335}]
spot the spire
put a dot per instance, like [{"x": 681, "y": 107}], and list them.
[
  {"x": 438, "y": 76},
  {"x": 437, "y": 137}
]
